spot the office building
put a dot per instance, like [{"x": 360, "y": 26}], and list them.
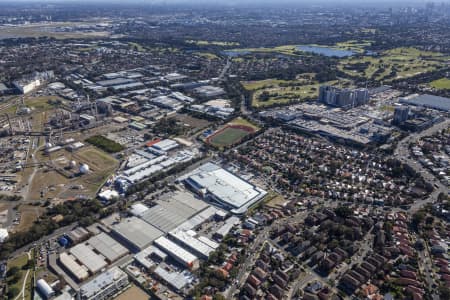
[{"x": 401, "y": 114}]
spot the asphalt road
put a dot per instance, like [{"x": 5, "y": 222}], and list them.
[{"x": 402, "y": 153}]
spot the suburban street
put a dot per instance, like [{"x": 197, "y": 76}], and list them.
[{"x": 403, "y": 154}]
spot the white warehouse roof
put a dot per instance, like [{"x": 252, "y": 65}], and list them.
[
  {"x": 144, "y": 259},
  {"x": 107, "y": 246},
  {"x": 192, "y": 243},
  {"x": 68, "y": 261},
  {"x": 178, "y": 253},
  {"x": 224, "y": 188},
  {"x": 136, "y": 232},
  {"x": 166, "y": 145},
  {"x": 93, "y": 261},
  {"x": 45, "y": 288},
  {"x": 138, "y": 209}
]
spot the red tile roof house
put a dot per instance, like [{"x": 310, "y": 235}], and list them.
[
  {"x": 408, "y": 274},
  {"x": 416, "y": 289},
  {"x": 255, "y": 282},
  {"x": 259, "y": 273},
  {"x": 408, "y": 281}
]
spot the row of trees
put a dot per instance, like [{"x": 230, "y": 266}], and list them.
[{"x": 83, "y": 211}]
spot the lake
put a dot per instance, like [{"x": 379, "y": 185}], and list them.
[
  {"x": 235, "y": 53},
  {"x": 327, "y": 51}
]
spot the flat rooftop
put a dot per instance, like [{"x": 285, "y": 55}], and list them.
[
  {"x": 172, "y": 212},
  {"x": 137, "y": 232},
  {"x": 93, "y": 261},
  {"x": 107, "y": 246},
  {"x": 223, "y": 187},
  {"x": 428, "y": 101},
  {"x": 102, "y": 281}
]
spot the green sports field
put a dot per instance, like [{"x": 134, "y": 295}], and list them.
[{"x": 228, "y": 136}]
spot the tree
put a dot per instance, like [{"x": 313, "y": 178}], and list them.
[
  {"x": 429, "y": 220},
  {"x": 15, "y": 278},
  {"x": 12, "y": 271},
  {"x": 343, "y": 211},
  {"x": 418, "y": 218},
  {"x": 218, "y": 296},
  {"x": 13, "y": 292},
  {"x": 444, "y": 292}
]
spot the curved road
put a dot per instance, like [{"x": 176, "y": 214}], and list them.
[{"x": 402, "y": 153}]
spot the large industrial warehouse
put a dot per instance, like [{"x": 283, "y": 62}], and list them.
[
  {"x": 167, "y": 215},
  {"x": 178, "y": 253},
  {"x": 107, "y": 246},
  {"x": 223, "y": 188},
  {"x": 77, "y": 270},
  {"x": 135, "y": 233},
  {"x": 93, "y": 261},
  {"x": 192, "y": 243}
]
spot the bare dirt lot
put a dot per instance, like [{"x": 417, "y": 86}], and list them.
[
  {"x": 195, "y": 123},
  {"x": 134, "y": 293}
]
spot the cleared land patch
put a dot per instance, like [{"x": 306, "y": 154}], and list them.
[
  {"x": 441, "y": 84},
  {"x": 56, "y": 180},
  {"x": 105, "y": 144}
]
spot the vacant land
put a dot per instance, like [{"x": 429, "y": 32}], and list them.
[
  {"x": 441, "y": 84},
  {"x": 28, "y": 214},
  {"x": 48, "y": 30},
  {"x": 15, "y": 281},
  {"x": 275, "y": 200},
  {"x": 134, "y": 293},
  {"x": 245, "y": 122},
  {"x": 55, "y": 180},
  {"x": 192, "y": 122},
  {"x": 393, "y": 64},
  {"x": 105, "y": 144},
  {"x": 37, "y": 104}
]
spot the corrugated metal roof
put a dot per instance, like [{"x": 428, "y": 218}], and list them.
[
  {"x": 75, "y": 268},
  {"x": 93, "y": 261},
  {"x": 429, "y": 101},
  {"x": 224, "y": 186},
  {"x": 175, "y": 251},
  {"x": 137, "y": 232},
  {"x": 107, "y": 246}
]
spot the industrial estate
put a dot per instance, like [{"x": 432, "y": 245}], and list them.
[{"x": 225, "y": 151}]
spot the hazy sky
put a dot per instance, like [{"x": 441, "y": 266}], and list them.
[
  {"x": 238, "y": 1},
  {"x": 249, "y": 3}
]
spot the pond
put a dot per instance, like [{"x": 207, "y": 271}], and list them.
[
  {"x": 327, "y": 51},
  {"x": 235, "y": 53}
]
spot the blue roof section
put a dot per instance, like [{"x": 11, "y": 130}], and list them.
[{"x": 428, "y": 101}]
